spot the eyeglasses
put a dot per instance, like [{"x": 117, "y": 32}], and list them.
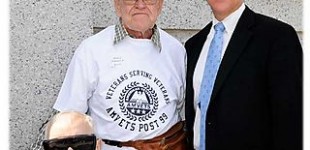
[
  {"x": 146, "y": 2},
  {"x": 79, "y": 142}
]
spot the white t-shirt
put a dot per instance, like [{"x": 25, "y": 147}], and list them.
[{"x": 133, "y": 89}]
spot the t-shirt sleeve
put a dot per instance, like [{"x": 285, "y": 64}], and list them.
[{"x": 79, "y": 82}]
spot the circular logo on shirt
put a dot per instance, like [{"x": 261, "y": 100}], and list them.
[
  {"x": 133, "y": 98},
  {"x": 138, "y": 101}
]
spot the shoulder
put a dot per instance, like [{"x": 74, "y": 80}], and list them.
[
  {"x": 97, "y": 44},
  {"x": 166, "y": 38},
  {"x": 199, "y": 36},
  {"x": 263, "y": 26},
  {"x": 103, "y": 37},
  {"x": 272, "y": 25},
  {"x": 169, "y": 41}
]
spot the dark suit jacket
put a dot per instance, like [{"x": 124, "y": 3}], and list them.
[{"x": 256, "y": 102}]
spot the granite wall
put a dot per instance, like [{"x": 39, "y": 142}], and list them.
[{"x": 45, "y": 33}]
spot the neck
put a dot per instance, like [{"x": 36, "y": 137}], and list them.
[
  {"x": 140, "y": 34},
  {"x": 220, "y": 16}
]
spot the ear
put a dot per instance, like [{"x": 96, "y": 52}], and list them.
[
  {"x": 117, "y": 6},
  {"x": 98, "y": 144},
  {"x": 160, "y": 5}
]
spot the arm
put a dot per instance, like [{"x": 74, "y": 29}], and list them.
[
  {"x": 181, "y": 104},
  {"x": 285, "y": 90},
  {"x": 79, "y": 83}
]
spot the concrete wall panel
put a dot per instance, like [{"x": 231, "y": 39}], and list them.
[{"x": 43, "y": 36}]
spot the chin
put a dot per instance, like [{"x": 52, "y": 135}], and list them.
[
  {"x": 142, "y": 26},
  {"x": 140, "y": 29}
]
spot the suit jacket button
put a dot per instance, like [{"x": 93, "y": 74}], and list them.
[{"x": 209, "y": 123}]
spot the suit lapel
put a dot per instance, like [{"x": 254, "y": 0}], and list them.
[
  {"x": 194, "y": 48},
  {"x": 237, "y": 44},
  {"x": 199, "y": 42}
]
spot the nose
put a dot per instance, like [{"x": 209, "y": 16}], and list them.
[{"x": 140, "y": 4}]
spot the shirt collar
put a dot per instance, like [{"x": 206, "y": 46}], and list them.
[
  {"x": 121, "y": 33},
  {"x": 230, "y": 22}
]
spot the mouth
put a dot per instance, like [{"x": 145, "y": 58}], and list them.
[{"x": 139, "y": 14}]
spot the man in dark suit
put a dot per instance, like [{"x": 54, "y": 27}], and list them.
[{"x": 256, "y": 99}]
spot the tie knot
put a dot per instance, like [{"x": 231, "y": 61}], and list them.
[{"x": 219, "y": 27}]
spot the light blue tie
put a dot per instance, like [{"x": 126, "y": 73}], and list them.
[{"x": 211, "y": 67}]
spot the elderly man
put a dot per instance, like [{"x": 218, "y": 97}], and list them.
[
  {"x": 71, "y": 130},
  {"x": 130, "y": 78}
]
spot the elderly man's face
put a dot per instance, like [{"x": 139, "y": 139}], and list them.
[{"x": 138, "y": 15}]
